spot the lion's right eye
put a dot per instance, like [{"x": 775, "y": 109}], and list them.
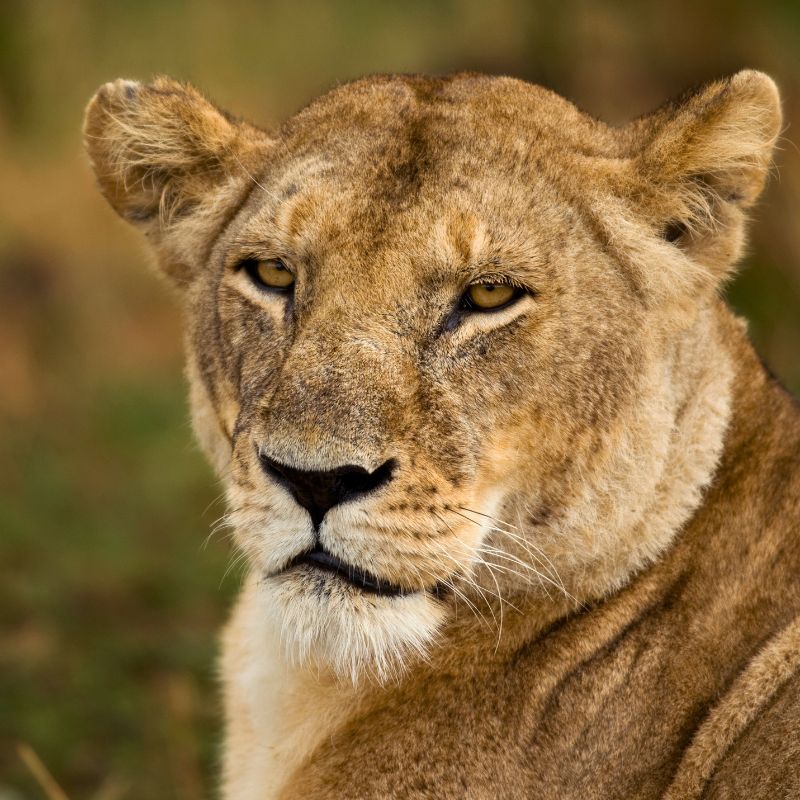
[{"x": 270, "y": 273}]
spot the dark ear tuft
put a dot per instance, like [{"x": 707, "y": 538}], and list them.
[{"x": 673, "y": 231}]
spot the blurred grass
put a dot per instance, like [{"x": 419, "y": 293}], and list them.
[{"x": 109, "y": 604}]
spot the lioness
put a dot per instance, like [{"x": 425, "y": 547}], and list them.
[{"x": 519, "y": 500}]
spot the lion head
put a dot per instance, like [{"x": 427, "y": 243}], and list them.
[{"x": 450, "y": 340}]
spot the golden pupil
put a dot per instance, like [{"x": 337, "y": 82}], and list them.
[
  {"x": 273, "y": 273},
  {"x": 490, "y": 295}
]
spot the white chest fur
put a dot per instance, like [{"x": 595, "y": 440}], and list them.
[{"x": 277, "y": 714}]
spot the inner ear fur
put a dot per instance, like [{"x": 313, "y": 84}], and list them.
[
  {"x": 703, "y": 161},
  {"x": 166, "y": 158},
  {"x": 156, "y": 148}
]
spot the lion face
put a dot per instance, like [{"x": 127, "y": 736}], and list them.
[{"x": 435, "y": 336}]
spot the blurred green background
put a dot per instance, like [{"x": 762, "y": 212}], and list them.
[{"x": 109, "y": 600}]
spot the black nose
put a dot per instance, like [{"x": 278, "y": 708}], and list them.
[{"x": 320, "y": 491}]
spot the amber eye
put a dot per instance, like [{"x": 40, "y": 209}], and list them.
[
  {"x": 270, "y": 273},
  {"x": 490, "y": 296}
]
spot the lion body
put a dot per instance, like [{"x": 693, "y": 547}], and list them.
[{"x": 590, "y": 519}]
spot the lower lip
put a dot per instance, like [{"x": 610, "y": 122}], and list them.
[{"x": 355, "y": 577}]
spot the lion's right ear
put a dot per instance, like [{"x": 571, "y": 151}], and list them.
[
  {"x": 170, "y": 162},
  {"x": 703, "y": 161}
]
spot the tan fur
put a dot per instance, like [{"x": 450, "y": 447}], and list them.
[{"x": 595, "y": 498}]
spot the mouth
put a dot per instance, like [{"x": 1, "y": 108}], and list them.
[{"x": 359, "y": 578}]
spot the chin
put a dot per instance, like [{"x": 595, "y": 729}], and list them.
[{"x": 329, "y": 624}]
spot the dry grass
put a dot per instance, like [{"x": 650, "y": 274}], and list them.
[
  {"x": 110, "y": 789},
  {"x": 43, "y": 777}
]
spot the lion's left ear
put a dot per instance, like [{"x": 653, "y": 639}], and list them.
[
  {"x": 703, "y": 161},
  {"x": 169, "y": 162}
]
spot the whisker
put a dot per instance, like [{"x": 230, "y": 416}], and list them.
[
  {"x": 543, "y": 579},
  {"x": 236, "y": 561},
  {"x": 505, "y": 554},
  {"x": 526, "y": 546},
  {"x": 444, "y": 522},
  {"x": 525, "y": 543},
  {"x": 482, "y": 562},
  {"x": 214, "y": 501}
]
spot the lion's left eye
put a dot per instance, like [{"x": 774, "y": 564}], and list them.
[
  {"x": 270, "y": 273},
  {"x": 490, "y": 296}
]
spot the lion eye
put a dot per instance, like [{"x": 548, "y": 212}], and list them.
[
  {"x": 270, "y": 273},
  {"x": 490, "y": 296}
]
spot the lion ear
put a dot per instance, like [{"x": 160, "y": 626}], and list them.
[
  {"x": 166, "y": 159},
  {"x": 703, "y": 161}
]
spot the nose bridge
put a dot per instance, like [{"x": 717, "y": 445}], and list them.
[{"x": 335, "y": 399}]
